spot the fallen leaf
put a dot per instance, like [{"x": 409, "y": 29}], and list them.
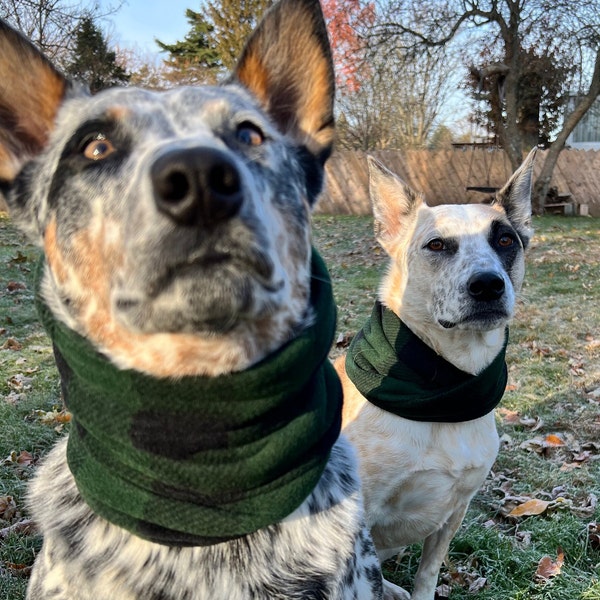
[
  {"x": 13, "y": 286},
  {"x": 18, "y": 569},
  {"x": 24, "y": 526},
  {"x": 524, "y": 538},
  {"x": 8, "y": 508},
  {"x": 509, "y": 417},
  {"x": 53, "y": 417},
  {"x": 20, "y": 382},
  {"x": 477, "y": 585},
  {"x": 553, "y": 440},
  {"x": 343, "y": 340},
  {"x": 12, "y": 344},
  {"x": 19, "y": 258},
  {"x": 541, "y": 446},
  {"x": 594, "y": 535},
  {"x": 529, "y": 508},
  {"x": 548, "y": 567},
  {"x": 25, "y": 458}
]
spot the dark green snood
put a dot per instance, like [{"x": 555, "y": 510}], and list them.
[
  {"x": 201, "y": 460},
  {"x": 397, "y": 371}
]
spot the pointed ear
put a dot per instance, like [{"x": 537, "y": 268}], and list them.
[
  {"x": 287, "y": 65},
  {"x": 515, "y": 198},
  {"x": 31, "y": 92},
  {"x": 394, "y": 203}
]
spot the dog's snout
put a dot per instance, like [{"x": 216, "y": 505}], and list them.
[
  {"x": 197, "y": 186},
  {"x": 485, "y": 286}
]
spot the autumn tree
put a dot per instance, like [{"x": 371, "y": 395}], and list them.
[
  {"x": 555, "y": 33},
  {"x": 347, "y": 23},
  {"x": 92, "y": 61}
]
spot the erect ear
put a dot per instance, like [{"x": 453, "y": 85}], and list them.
[
  {"x": 394, "y": 203},
  {"x": 287, "y": 65},
  {"x": 515, "y": 198},
  {"x": 31, "y": 91}
]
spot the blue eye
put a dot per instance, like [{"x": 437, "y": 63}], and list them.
[{"x": 249, "y": 134}]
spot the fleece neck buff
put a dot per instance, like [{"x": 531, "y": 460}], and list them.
[
  {"x": 398, "y": 372},
  {"x": 202, "y": 460}
]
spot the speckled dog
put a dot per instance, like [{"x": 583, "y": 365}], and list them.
[{"x": 191, "y": 322}]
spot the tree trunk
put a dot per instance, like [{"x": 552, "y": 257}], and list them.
[{"x": 542, "y": 184}]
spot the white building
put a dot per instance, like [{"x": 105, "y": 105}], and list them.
[{"x": 586, "y": 135}]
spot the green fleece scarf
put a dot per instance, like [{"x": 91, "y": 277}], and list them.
[
  {"x": 397, "y": 371},
  {"x": 200, "y": 460}
]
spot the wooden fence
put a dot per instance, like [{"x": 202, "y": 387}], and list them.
[{"x": 443, "y": 176}]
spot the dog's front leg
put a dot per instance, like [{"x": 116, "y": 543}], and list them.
[
  {"x": 394, "y": 592},
  {"x": 435, "y": 549}
]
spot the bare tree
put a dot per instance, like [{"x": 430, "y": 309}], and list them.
[
  {"x": 517, "y": 28},
  {"x": 398, "y": 98},
  {"x": 146, "y": 69},
  {"x": 52, "y": 24}
]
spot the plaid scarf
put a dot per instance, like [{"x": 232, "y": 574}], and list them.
[
  {"x": 202, "y": 460},
  {"x": 397, "y": 371}
]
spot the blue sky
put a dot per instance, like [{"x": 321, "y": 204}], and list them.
[{"x": 138, "y": 22}]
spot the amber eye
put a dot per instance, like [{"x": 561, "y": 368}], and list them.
[
  {"x": 505, "y": 241},
  {"x": 436, "y": 245},
  {"x": 98, "y": 148},
  {"x": 249, "y": 134}
]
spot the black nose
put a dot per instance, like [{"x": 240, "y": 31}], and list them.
[
  {"x": 197, "y": 186},
  {"x": 486, "y": 286}
]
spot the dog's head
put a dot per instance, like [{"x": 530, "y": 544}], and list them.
[
  {"x": 175, "y": 225},
  {"x": 453, "y": 267}
]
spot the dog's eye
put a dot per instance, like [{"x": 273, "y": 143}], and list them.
[
  {"x": 436, "y": 245},
  {"x": 98, "y": 147},
  {"x": 249, "y": 134},
  {"x": 506, "y": 241}
]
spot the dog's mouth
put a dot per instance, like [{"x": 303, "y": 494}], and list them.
[
  {"x": 208, "y": 292},
  {"x": 481, "y": 320},
  {"x": 256, "y": 265}
]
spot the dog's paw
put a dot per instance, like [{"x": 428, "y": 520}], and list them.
[{"x": 394, "y": 592}]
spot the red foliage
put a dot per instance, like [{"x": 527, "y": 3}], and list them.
[{"x": 346, "y": 22}]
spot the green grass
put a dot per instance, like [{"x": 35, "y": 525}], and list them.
[
  {"x": 554, "y": 359},
  {"x": 554, "y": 368}
]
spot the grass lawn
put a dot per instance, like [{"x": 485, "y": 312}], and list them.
[{"x": 549, "y": 419}]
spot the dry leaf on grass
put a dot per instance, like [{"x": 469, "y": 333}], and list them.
[
  {"x": 23, "y": 459},
  {"x": 12, "y": 344},
  {"x": 8, "y": 508},
  {"x": 477, "y": 585},
  {"x": 13, "y": 286},
  {"x": 531, "y": 507},
  {"x": 594, "y": 535},
  {"x": 549, "y": 567}
]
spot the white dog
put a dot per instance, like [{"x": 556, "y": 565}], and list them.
[{"x": 422, "y": 378}]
